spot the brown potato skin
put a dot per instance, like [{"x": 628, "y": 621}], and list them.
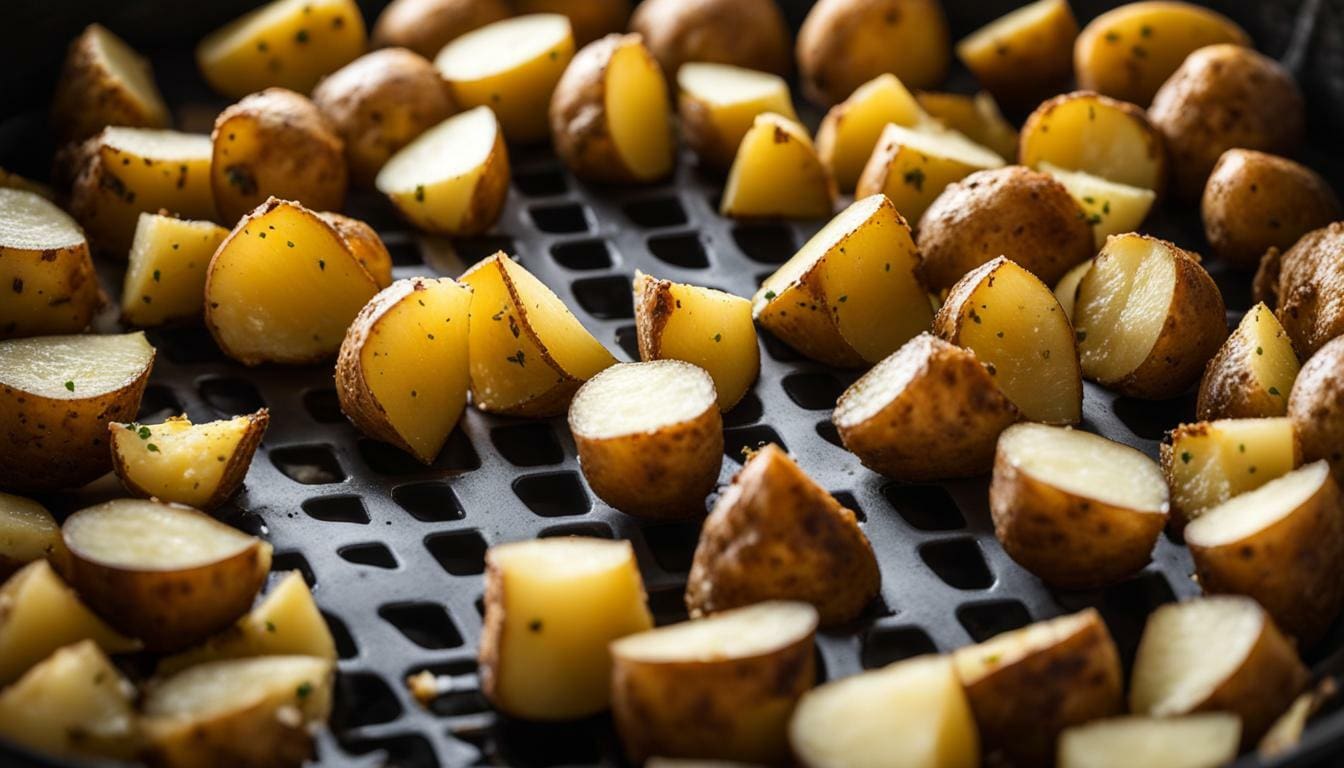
[
  {"x": 1267, "y": 682},
  {"x": 235, "y": 471},
  {"x": 744, "y": 33},
  {"x": 590, "y": 19},
  {"x": 1012, "y": 211},
  {"x": 365, "y": 244},
  {"x": 776, "y": 535},
  {"x": 1304, "y": 282},
  {"x": 1228, "y": 389},
  {"x": 826, "y": 65},
  {"x": 1316, "y": 406},
  {"x": 70, "y": 310},
  {"x": 1265, "y": 284},
  {"x": 87, "y": 99},
  {"x": 425, "y": 26},
  {"x": 1225, "y": 96}
]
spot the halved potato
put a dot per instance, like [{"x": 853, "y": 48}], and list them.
[
  {"x": 46, "y": 274},
  {"x": 1194, "y": 741},
  {"x": 913, "y": 167},
  {"x": 850, "y": 295},
  {"x": 1253, "y": 372},
  {"x": 709, "y": 328},
  {"x": 1112, "y": 208},
  {"x": 1281, "y": 544},
  {"x": 1210, "y": 462},
  {"x": 57, "y": 396},
  {"x": 283, "y": 287},
  {"x": 454, "y": 178},
  {"x": 528, "y": 352},
  {"x": 1216, "y": 654},
  {"x": 365, "y": 244},
  {"x": 28, "y": 532},
  {"x": 104, "y": 82},
  {"x": 777, "y": 174},
  {"x": 512, "y": 66},
  {"x": 1148, "y": 318},
  {"x": 1075, "y": 509},
  {"x": 1019, "y": 331},
  {"x": 930, "y": 411},
  {"x": 915, "y": 709},
  {"x": 552, "y": 606},
  {"x": 717, "y": 103},
  {"x": 286, "y": 43},
  {"x": 668, "y": 692},
  {"x": 1029, "y": 685},
  {"x": 976, "y": 117},
  {"x": 166, "y": 574},
  {"x": 851, "y": 129},
  {"x": 165, "y": 279},
  {"x": 200, "y": 465},
  {"x": 1316, "y": 406},
  {"x": 1085, "y": 131},
  {"x": 845, "y": 43},
  {"x": 1066, "y": 290},
  {"x": 1024, "y": 56}
]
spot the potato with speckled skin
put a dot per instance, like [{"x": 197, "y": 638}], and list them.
[
  {"x": 717, "y": 103},
  {"x": 1209, "y": 462},
  {"x": 1024, "y": 56},
  {"x": 425, "y": 26},
  {"x": 1252, "y": 373},
  {"x": 744, "y": 33},
  {"x": 1256, "y": 201},
  {"x": 1316, "y": 406},
  {"x": 104, "y": 82},
  {"x": 1305, "y": 284},
  {"x": 845, "y": 43},
  {"x": 46, "y": 273}
]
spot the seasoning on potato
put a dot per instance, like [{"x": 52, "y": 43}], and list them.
[
  {"x": 913, "y": 167},
  {"x": 104, "y": 82},
  {"x": 200, "y": 465},
  {"x": 717, "y": 103},
  {"x": 1209, "y": 462},
  {"x": 1252, "y": 373},
  {"x": 46, "y": 273},
  {"x": 1024, "y": 56},
  {"x": 976, "y": 117},
  {"x": 744, "y": 33},
  {"x": 165, "y": 274},
  {"x": 777, "y": 174},
  {"x": 851, "y": 129},
  {"x": 28, "y": 532},
  {"x": 1205, "y": 739},
  {"x": 845, "y": 43},
  {"x": 1085, "y": 131},
  {"x": 1299, "y": 281},
  {"x": 1111, "y": 208},
  {"x": 426, "y": 26},
  {"x": 1316, "y": 406}
]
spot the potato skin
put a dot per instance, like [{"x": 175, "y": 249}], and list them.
[
  {"x": 70, "y": 293},
  {"x": 829, "y": 66},
  {"x": 1230, "y": 389},
  {"x": 88, "y": 98},
  {"x": 365, "y": 244},
  {"x": 1316, "y": 406},
  {"x": 1303, "y": 284},
  {"x": 744, "y": 33},
  {"x": 425, "y": 26}
]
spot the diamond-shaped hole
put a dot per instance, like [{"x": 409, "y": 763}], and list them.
[
  {"x": 425, "y": 624},
  {"x": 659, "y": 212},
  {"x": 605, "y": 297},
  {"x": 924, "y": 507},
  {"x": 560, "y": 219},
  {"x": 738, "y": 440},
  {"x": 527, "y": 445},
  {"x": 829, "y": 433},
  {"x": 308, "y": 464},
  {"x": 958, "y": 562},
  {"x": 336, "y": 509},
  {"x": 187, "y": 345},
  {"x": 461, "y": 553},
  {"x": 668, "y": 605},
  {"x": 747, "y": 411},
  {"x": 459, "y": 690},
  {"x": 848, "y": 501},
  {"x": 284, "y": 562},
  {"x": 362, "y": 698},
  {"x": 813, "y": 391},
  {"x": 431, "y": 502},
  {"x": 345, "y": 643},
  {"x": 372, "y": 554},
  {"x": 886, "y": 645},
  {"x": 993, "y": 617},
  {"x": 158, "y": 404},
  {"x": 627, "y": 338},
  {"x": 540, "y": 183},
  {"x": 673, "y": 544},
  {"x": 555, "y": 494},
  {"x": 779, "y": 350},
  {"x": 592, "y": 530},
  {"x": 582, "y": 255},
  {"x": 1124, "y": 606},
  {"x": 472, "y": 249},
  {"x": 685, "y": 250},
  {"x": 405, "y": 252},
  {"x": 323, "y": 406},
  {"x": 409, "y": 751},
  {"x": 230, "y": 396},
  {"x": 766, "y": 243},
  {"x": 457, "y": 455}
]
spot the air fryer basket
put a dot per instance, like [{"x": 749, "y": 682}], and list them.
[{"x": 394, "y": 550}]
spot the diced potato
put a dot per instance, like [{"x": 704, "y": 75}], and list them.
[
  {"x": 977, "y": 117},
  {"x": 1195, "y": 741},
  {"x": 200, "y": 465},
  {"x": 913, "y": 167},
  {"x": 1112, "y": 208},
  {"x": 1253, "y": 373},
  {"x": 718, "y": 102},
  {"x": 104, "y": 82},
  {"x": 365, "y": 244},
  {"x": 1066, "y": 290},
  {"x": 1210, "y": 462},
  {"x": 1024, "y": 56},
  {"x": 552, "y": 606},
  {"x": 1084, "y": 131},
  {"x": 777, "y": 174},
  {"x": 28, "y": 532},
  {"x": 165, "y": 279},
  {"x": 852, "y": 128},
  {"x": 46, "y": 274}
]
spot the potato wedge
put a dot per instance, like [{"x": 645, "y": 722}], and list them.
[
  {"x": 166, "y": 574},
  {"x": 425, "y": 26},
  {"x": 365, "y": 244},
  {"x": 165, "y": 276},
  {"x": 46, "y": 274},
  {"x": 914, "y": 708},
  {"x": 454, "y": 178},
  {"x": 1316, "y": 406},
  {"x": 1075, "y": 509},
  {"x": 851, "y": 129},
  {"x": 552, "y": 606},
  {"x": 1028, "y": 685},
  {"x": 1024, "y": 56},
  {"x": 649, "y": 437},
  {"x": 199, "y": 465},
  {"x": 845, "y": 43},
  {"x": 590, "y": 19},
  {"x": 1066, "y": 290},
  {"x": 744, "y": 33},
  {"x": 717, "y": 103},
  {"x": 104, "y": 82},
  {"x": 286, "y": 298},
  {"x": 57, "y": 396},
  {"x": 28, "y": 532},
  {"x": 512, "y": 66},
  {"x": 1148, "y": 317},
  {"x": 1194, "y": 741},
  {"x": 976, "y": 117},
  {"x": 709, "y": 328},
  {"x": 850, "y": 295},
  {"x": 1085, "y": 131},
  {"x": 402, "y": 374},
  {"x": 528, "y": 352},
  {"x": 914, "y": 167},
  {"x": 668, "y": 695},
  {"x": 930, "y": 411},
  {"x": 1281, "y": 544},
  {"x": 1251, "y": 372},
  {"x": 1019, "y": 331},
  {"x": 1210, "y": 462},
  {"x": 1111, "y": 208},
  {"x": 1300, "y": 283},
  {"x": 777, "y": 174},
  {"x": 286, "y": 43}
]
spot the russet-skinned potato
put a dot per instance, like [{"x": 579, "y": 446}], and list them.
[{"x": 45, "y": 262}]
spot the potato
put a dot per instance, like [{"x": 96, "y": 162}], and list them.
[
  {"x": 1066, "y": 290},
  {"x": 1302, "y": 282},
  {"x": 851, "y": 129},
  {"x": 1029, "y": 685},
  {"x": 1210, "y": 462},
  {"x": 1016, "y": 328},
  {"x": 285, "y": 43},
  {"x": 1216, "y": 654},
  {"x": 365, "y": 244},
  {"x": 1085, "y": 131},
  {"x": 552, "y": 606},
  {"x": 123, "y": 172},
  {"x": 709, "y": 328},
  {"x": 1281, "y": 544},
  {"x": 275, "y": 144},
  {"x": 166, "y": 574},
  {"x": 379, "y": 103},
  {"x": 28, "y": 532},
  {"x": 528, "y": 352},
  {"x": 610, "y": 120},
  {"x": 1014, "y": 212},
  {"x": 1316, "y": 406},
  {"x": 256, "y": 712},
  {"x": 1252, "y": 371},
  {"x": 744, "y": 33},
  {"x": 1286, "y": 732},
  {"x": 914, "y": 167},
  {"x": 511, "y": 66},
  {"x": 590, "y": 19},
  {"x": 104, "y": 82},
  {"x": 402, "y": 374},
  {"x": 454, "y": 178},
  {"x": 845, "y": 43},
  {"x": 200, "y": 465},
  {"x": 46, "y": 274},
  {"x": 1111, "y": 208},
  {"x": 930, "y": 411},
  {"x": 913, "y": 711},
  {"x": 1192, "y": 110},
  {"x": 1129, "y": 51},
  {"x": 11, "y": 180},
  {"x": 977, "y": 117},
  {"x": 73, "y": 704},
  {"x": 777, "y": 174},
  {"x": 1025, "y": 56},
  {"x": 57, "y": 396},
  {"x": 288, "y": 298},
  {"x": 1193, "y": 741},
  {"x": 717, "y": 103},
  {"x": 425, "y": 26},
  {"x": 1148, "y": 318},
  {"x": 850, "y": 295},
  {"x": 669, "y": 694},
  {"x": 1254, "y": 201},
  {"x": 165, "y": 276}
]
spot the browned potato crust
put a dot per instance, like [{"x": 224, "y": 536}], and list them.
[
  {"x": 1252, "y": 373},
  {"x": 365, "y": 244},
  {"x": 1303, "y": 284},
  {"x": 845, "y": 43},
  {"x": 90, "y": 96},
  {"x": 1316, "y": 406},
  {"x": 425, "y": 26},
  {"x": 745, "y": 33},
  {"x": 590, "y": 19}
]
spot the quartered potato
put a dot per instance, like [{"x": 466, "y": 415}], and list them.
[
  {"x": 165, "y": 276},
  {"x": 850, "y": 295},
  {"x": 777, "y": 174},
  {"x": 1111, "y": 208},
  {"x": 285, "y": 43},
  {"x": 1066, "y": 290},
  {"x": 743, "y": 33},
  {"x": 976, "y": 117},
  {"x": 775, "y": 534},
  {"x": 425, "y": 26},
  {"x": 1210, "y": 462},
  {"x": 1194, "y": 741},
  {"x": 528, "y": 352},
  {"x": 1316, "y": 406},
  {"x": 104, "y": 82},
  {"x": 28, "y": 532},
  {"x": 668, "y": 691},
  {"x": 845, "y": 43},
  {"x": 1253, "y": 372},
  {"x": 1075, "y": 509},
  {"x": 200, "y": 465},
  {"x": 166, "y": 574},
  {"x": 717, "y": 103},
  {"x": 46, "y": 274},
  {"x": 552, "y": 606},
  {"x": 851, "y": 129},
  {"x": 590, "y": 19},
  {"x": 365, "y": 244},
  {"x": 913, "y": 167},
  {"x": 1300, "y": 282},
  {"x": 1024, "y": 56},
  {"x": 1085, "y": 131}
]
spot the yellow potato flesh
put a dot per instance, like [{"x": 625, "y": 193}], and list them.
[
  {"x": 638, "y": 114},
  {"x": 178, "y": 461},
  {"x": 27, "y": 531},
  {"x": 1122, "y": 306},
  {"x": 146, "y": 170},
  {"x": 433, "y": 180},
  {"x": 777, "y": 173},
  {"x": 977, "y": 117},
  {"x": 165, "y": 279},
  {"x": 74, "y": 703},
  {"x": 851, "y": 129},
  {"x": 1111, "y": 208},
  {"x": 1086, "y": 134},
  {"x": 1193, "y": 741},
  {"x": 74, "y": 367},
  {"x": 923, "y": 164},
  {"x": 732, "y": 97},
  {"x": 1066, "y": 292},
  {"x": 43, "y": 258},
  {"x": 1269, "y": 352},
  {"x": 131, "y": 70},
  {"x": 1229, "y": 457}
]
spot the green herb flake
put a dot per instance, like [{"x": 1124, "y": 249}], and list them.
[
  {"x": 1275, "y": 391},
  {"x": 270, "y": 627},
  {"x": 70, "y": 386},
  {"x": 290, "y": 243},
  {"x": 1186, "y": 456},
  {"x": 322, "y": 265},
  {"x": 156, "y": 275},
  {"x": 843, "y": 299},
  {"x": 770, "y": 295},
  {"x": 718, "y": 337},
  {"x": 1259, "y": 350},
  {"x": 143, "y": 433},
  {"x": 419, "y": 193},
  {"x": 1145, "y": 31},
  {"x": 262, "y": 235},
  {"x": 1241, "y": 447},
  {"x": 301, "y": 36},
  {"x": 152, "y": 448},
  {"x": 914, "y": 178},
  {"x": 304, "y": 690}
]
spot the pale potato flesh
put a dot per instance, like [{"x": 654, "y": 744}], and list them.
[
  {"x": 1087, "y": 465},
  {"x": 130, "y": 70},
  {"x": 221, "y": 687},
  {"x": 976, "y": 662},
  {"x": 1122, "y": 306},
  {"x": 288, "y": 43},
  {"x": 27, "y": 531},
  {"x": 165, "y": 277},
  {"x": 913, "y": 167},
  {"x": 1195, "y": 741},
  {"x": 1191, "y": 648},
  {"x": 852, "y": 128},
  {"x": 638, "y": 398},
  {"x": 146, "y": 535},
  {"x": 1016, "y": 25},
  {"x": 1254, "y": 511},
  {"x": 729, "y": 98},
  {"x": 181, "y": 462},
  {"x": 171, "y": 146},
  {"x": 434, "y": 180},
  {"x": 1083, "y": 132},
  {"x": 1112, "y": 208},
  {"x": 777, "y": 173},
  {"x": 30, "y": 222},
  {"x": 741, "y": 633},
  {"x": 74, "y": 367},
  {"x": 1066, "y": 291},
  {"x": 1213, "y": 461},
  {"x": 638, "y": 115},
  {"x": 977, "y": 117}
]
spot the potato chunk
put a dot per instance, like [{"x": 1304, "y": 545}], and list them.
[
  {"x": 744, "y": 33},
  {"x": 28, "y": 532},
  {"x": 104, "y": 82},
  {"x": 425, "y": 26},
  {"x": 365, "y": 244},
  {"x": 1024, "y": 56},
  {"x": 669, "y": 692},
  {"x": 286, "y": 43},
  {"x": 1252, "y": 372},
  {"x": 1111, "y": 208},
  {"x": 976, "y": 117},
  {"x": 1194, "y": 741},
  {"x": 1083, "y": 131},
  {"x": 777, "y": 174},
  {"x": 912, "y": 168},
  {"x": 1316, "y": 406},
  {"x": 1304, "y": 282},
  {"x": 1210, "y": 462},
  {"x": 843, "y": 44},
  {"x": 718, "y": 102},
  {"x": 851, "y": 129},
  {"x": 200, "y": 465},
  {"x": 552, "y": 607},
  {"x": 165, "y": 279},
  {"x": 850, "y": 295},
  {"x": 46, "y": 274},
  {"x": 590, "y": 19}
]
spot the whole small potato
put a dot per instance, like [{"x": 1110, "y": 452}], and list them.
[
  {"x": 845, "y": 43},
  {"x": 744, "y": 33},
  {"x": 1254, "y": 201},
  {"x": 1316, "y": 406},
  {"x": 425, "y": 26},
  {"x": 1304, "y": 284}
]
